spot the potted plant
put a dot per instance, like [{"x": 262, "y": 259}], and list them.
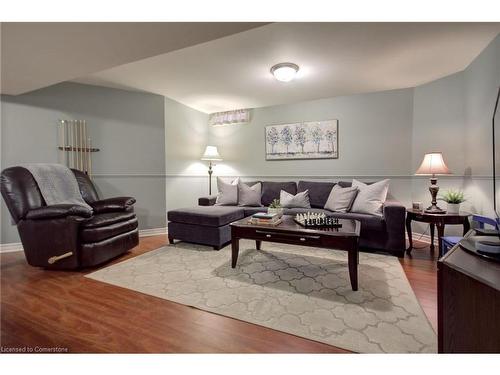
[
  {"x": 275, "y": 208},
  {"x": 453, "y": 199}
]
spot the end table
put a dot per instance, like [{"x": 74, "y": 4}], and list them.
[{"x": 438, "y": 220}]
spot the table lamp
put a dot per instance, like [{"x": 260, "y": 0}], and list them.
[
  {"x": 211, "y": 154},
  {"x": 432, "y": 165}
]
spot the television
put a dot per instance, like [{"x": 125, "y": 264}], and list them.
[
  {"x": 496, "y": 173},
  {"x": 487, "y": 241},
  {"x": 490, "y": 246}
]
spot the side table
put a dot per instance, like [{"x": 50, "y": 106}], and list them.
[{"x": 435, "y": 220}]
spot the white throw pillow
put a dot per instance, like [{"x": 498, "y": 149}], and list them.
[
  {"x": 249, "y": 196},
  {"x": 341, "y": 199},
  {"x": 299, "y": 200},
  {"x": 228, "y": 192},
  {"x": 370, "y": 198}
]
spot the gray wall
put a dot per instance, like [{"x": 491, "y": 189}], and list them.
[
  {"x": 186, "y": 133},
  {"x": 128, "y": 127},
  {"x": 151, "y": 145},
  {"x": 381, "y": 135},
  {"x": 453, "y": 115},
  {"x": 438, "y": 125},
  {"x": 481, "y": 82},
  {"x": 439, "y": 122},
  {"x": 374, "y": 139}
]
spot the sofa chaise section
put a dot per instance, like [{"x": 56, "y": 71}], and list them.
[{"x": 205, "y": 225}]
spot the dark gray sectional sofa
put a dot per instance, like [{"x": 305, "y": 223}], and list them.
[{"x": 208, "y": 224}]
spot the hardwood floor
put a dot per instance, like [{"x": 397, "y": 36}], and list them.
[{"x": 64, "y": 309}]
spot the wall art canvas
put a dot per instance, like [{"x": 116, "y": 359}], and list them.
[{"x": 304, "y": 140}]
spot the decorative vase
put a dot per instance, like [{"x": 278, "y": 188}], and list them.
[
  {"x": 453, "y": 208},
  {"x": 273, "y": 211}
]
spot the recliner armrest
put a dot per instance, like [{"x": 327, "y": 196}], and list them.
[
  {"x": 113, "y": 204},
  {"x": 57, "y": 211},
  {"x": 207, "y": 201}
]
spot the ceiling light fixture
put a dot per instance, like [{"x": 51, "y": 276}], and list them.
[{"x": 284, "y": 72}]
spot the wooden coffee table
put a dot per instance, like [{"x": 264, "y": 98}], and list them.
[{"x": 289, "y": 232}]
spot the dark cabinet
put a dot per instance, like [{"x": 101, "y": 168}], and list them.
[{"x": 468, "y": 303}]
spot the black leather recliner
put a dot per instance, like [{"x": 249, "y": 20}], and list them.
[{"x": 68, "y": 236}]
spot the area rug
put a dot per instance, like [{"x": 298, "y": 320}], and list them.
[{"x": 299, "y": 290}]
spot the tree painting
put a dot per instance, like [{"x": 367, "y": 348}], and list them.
[
  {"x": 273, "y": 138},
  {"x": 286, "y": 137},
  {"x": 300, "y": 137},
  {"x": 302, "y": 140},
  {"x": 317, "y": 136},
  {"x": 330, "y": 136}
]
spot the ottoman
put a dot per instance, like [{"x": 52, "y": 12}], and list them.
[{"x": 205, "y": 225}]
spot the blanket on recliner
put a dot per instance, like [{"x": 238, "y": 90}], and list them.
[{"x": 57, "y": 184}]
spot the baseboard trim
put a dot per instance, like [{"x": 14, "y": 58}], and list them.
[
  {"x": 152, "y": 232},
  {"x": 18, "y": 246},
  {"x": 11, "y": 247},
  {"x": 425, "y": 238}
]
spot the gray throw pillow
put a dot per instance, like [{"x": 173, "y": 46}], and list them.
[
  {"x": 249, "y": 196},
  {"x": 341, "y": 199},
  {"x": 228, "y": 192},
  {"x": 299, "y": 200},
  {"x": 370, "y": 198}
]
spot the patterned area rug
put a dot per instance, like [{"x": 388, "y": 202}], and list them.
[{"x": 299, "y": 290}]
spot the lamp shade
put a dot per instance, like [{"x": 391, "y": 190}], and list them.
[
  {"x": 211, "y": 153},
  {"x": 433, "y": 164}
]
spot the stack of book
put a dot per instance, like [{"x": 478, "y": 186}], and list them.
[{"x": 265, "y": 218}]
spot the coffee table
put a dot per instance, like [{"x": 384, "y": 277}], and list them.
[{"x": 289, "y": 232}]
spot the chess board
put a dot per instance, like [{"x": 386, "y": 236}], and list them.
[{"x": 315, "y": 220}]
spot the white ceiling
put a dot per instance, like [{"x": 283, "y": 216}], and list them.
[
  {"x": 335, "y": 59},
  {"x": 35, "y": 55}
]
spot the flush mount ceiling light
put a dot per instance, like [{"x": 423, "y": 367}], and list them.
[{"x": 284, "y": 72}]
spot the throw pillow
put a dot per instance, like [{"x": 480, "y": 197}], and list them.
[
  {"x": 341, "y": 199},
  {"x": 228, "y": 192},
  {"x": 370, "y": 198},
  {"x": 299, "y": 200},
  {"x": 249, "y": 196}
]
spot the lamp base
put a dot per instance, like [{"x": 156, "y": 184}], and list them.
[
  {"x": 433, "y": 189},
  {"x": 434, "y": 209},
  {"x": 210, "y": 171}
]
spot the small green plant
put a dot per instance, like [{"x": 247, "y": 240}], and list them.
[
  {"x": 453, "y": 197},
  {"x": 275, "y": 204}
]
